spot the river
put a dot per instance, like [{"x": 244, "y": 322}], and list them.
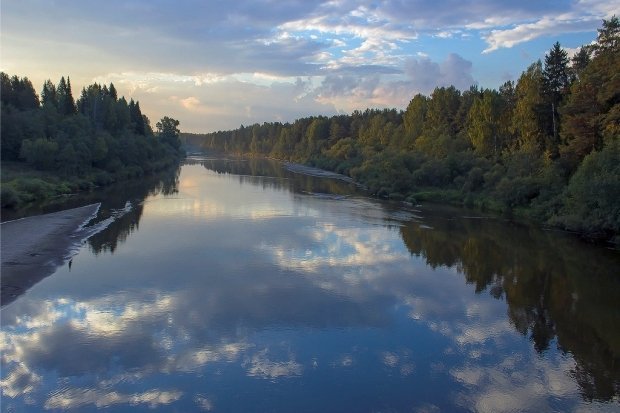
[{"x": 239, "y": 286}]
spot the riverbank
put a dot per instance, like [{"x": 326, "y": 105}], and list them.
[
  {"x": 449, "y": 196},
  {"x": 32, "y": 248},
  {"x": 23, "y": 186},
  {"x": 317, "y": 172}
]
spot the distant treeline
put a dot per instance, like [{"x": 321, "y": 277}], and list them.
[
  {"x": 545, "y": 147},
  {"x": 52, "y": 144}
]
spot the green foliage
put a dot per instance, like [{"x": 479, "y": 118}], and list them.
[
  {"x": 17, "y": 92},
  {"x": 608, "y": 39},
  {"x": 40, "y": 153},
  {"x": 414, "y": 118},
  {"x": 167, "y": 130},
  {"x": 9, "y": 197},
  {"x": 593, "y": 193},
  {"x": 101, "y": 138},
  {"x": 591, "y": 114},
  {"x": 527, "y": 117},
  {"x": 483, "y": 123}
]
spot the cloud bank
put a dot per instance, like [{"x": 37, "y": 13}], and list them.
[{"x": 348, "y": 54}]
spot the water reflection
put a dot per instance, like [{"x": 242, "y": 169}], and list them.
[
  {"x": 125, "y": 205},
  {"x": 195, "y": 301},
  {"x": 555, "y": 291}
]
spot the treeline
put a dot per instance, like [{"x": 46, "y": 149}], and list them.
[
  {"x": 545, "y": 147},
  {"x": 53, "y": 145}
]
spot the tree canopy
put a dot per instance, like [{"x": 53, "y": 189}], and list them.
[{"x": 99, "y": 138}]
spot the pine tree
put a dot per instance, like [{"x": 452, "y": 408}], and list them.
[
  {"x": 556, "y": 74},
  {"x": 24, "y": 95},
  {"x": 66, "y": 104},
  {"x": 136, "y": 117},
  {"x": 579, "y": 62},
  {"x": 556, "y": 80},
  {"x": 113, "y": 93},
  {"x": 608, "y": 39},
  {"x": 49, "y": 96},
  {"x": 6, "y": 89},
  {"x": 69, "y": 107},
  {"x": 591, "y": 115}
]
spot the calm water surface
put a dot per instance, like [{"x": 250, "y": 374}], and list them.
[{"x": 240, "y": 287}]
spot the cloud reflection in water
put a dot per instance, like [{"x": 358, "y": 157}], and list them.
[{"x": 214, "y": 299}]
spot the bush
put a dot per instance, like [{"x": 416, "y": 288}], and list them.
[
  {"x": 474, "y": 181},
  {"x": 9, "y": 197},
  {"x": 517, "y": 192},
  {"x": 35, "y": 188},
  {"x": 592, "y": 198}
]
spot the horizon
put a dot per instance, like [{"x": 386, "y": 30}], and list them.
[{"x": 216, "y": 66}]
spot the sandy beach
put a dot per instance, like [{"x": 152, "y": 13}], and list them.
[{"x": 32, "y": 248}]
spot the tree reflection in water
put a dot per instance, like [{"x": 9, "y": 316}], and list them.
[
  {"x": 127, "y": 203},
  {"x": 553, "y": 288}
]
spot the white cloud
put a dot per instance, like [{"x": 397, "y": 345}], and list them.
[
  {"x": 507, "y": 38},
  {"x": 514, "y": 385},
  {"x": 20, "y": 381},
  {"x": 259, "y": 365},
  {"x": 204, "y": 403},
  {"x": 72, "y": 398}
]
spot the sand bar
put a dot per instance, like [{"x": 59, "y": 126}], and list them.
[
  {"x": 33, "y": 247},
  {"x": 319, "y": 173}
]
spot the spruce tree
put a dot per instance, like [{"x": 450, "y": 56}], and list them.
[
  {"x": 69, "y": 107},
  {"x": 49, "y": 96},
  {"x": 556, "y": 81},
  {"x": 608, "y": 38},
  {"x": 113, "y": 93},
  {"x": 66, "y": 104},
  {"x": 579, "y": 62}
]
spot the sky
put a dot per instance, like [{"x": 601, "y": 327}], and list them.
[{"x": 218, "y": 64}]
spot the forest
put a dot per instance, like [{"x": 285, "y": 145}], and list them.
[
  {"x": 545, "y": 148},
  {"x": 53, "y": 145}
]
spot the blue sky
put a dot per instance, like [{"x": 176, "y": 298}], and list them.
[{"x": 216, "y": 64}]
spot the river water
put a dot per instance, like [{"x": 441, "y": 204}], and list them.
[{"x": 238, "y": 286}]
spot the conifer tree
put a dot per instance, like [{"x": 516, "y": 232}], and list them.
[
  {"x": 608, "y": 39},
  {"x": 579, "y": 62},
  {"x": 66, "y": 104},
  {"x": 49, "y": 96},
  {"x": 556, "y": 81},
  {"x": 112, "y": 91}
]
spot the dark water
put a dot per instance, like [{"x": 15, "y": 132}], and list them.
[{"x": 239, "y": 287}]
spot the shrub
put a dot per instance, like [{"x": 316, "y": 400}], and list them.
[
  {"x": 592, "y": 198},
  {"x": 9, "y": 197}
]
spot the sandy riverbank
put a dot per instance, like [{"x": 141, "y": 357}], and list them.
[
  {"x": 32, "y": 248},
  {"x": 320, "y": 173}
]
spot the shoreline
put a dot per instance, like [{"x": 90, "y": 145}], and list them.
[
  {"x": 32, "y": 248},
  {"x": 316, "y": 172}
]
